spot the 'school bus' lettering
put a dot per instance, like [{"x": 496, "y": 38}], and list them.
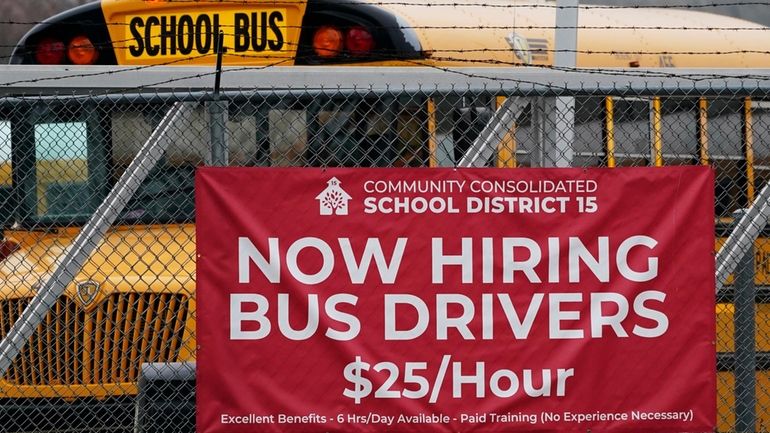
[{"x": 195, "y": 34}]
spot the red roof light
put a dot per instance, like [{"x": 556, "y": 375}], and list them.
[
  {"x": 50, "y": 51},
  {"x": 359, "y": 41}
]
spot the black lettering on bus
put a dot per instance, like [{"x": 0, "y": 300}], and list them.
[
  {"x": 275, "y": 18},
  {"x": 186, "y": 34},
  {"x": 203, "y": 34},
  {"x": 138, "y": 49},
  {"x": 152, "y": 49},
  {"x": 259, "y": 43},
  {"x": 167, "y": 35},
  {"x": 241, "y": 32},
  {"x": 216, "y": 32}
]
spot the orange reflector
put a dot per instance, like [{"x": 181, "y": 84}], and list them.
[
  {"x": 81, "y": 51},
  {"x": 327, "y": 41}
]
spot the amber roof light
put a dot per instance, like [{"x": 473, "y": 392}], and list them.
[
  {"x": 327, "y": 41},
  {"x": 81, "y": 51}
]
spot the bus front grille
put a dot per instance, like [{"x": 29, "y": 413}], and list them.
[{"x": 106, "y": 344}]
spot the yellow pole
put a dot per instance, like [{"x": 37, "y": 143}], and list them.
[
  {"x": 748, "y": 149},
  {"x": 609, "y": 131},
  {"x": 432, "y": 140},
  {"x": 703, "y": 138},
  {"x": 506, "y": 148},
  {"x": 657, "y": 135}
]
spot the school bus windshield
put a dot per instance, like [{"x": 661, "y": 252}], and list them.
[{"x": 71, "y": 173}]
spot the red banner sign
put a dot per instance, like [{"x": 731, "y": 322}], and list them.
[{"x": 413, "y": 300}]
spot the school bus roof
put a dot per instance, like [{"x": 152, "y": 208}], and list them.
[{"x": 484, "y": 30}]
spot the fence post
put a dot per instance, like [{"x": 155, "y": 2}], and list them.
[
  {"x": 745, "y": 344},
  {"x": 219, "y": 151},
  {"x": 561, "y": 109},
  {"x": 217, "y": 112}
]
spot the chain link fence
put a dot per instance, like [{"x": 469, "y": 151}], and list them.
[{"x": 110, "y": 342}]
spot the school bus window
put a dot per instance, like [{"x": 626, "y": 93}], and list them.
[
  {"x": 726, "y": 155},
  {"x": 761, "y": 118},
  {"x": 361, "y": 133},
  {"x": 724, "y": 129},
  {"x": 132, "y": 126},
  {"x": 525, "y": 136},
  {"x": 469, "y": 120},
  {"x": 288, "y": 137},
  {"x": 5, "y": 153},
  {"x": 761, "y": 144},
  {"x": 632, "y": 131},
  {"x": 589, "y": 138},
  {"x": 61, "y": 168},
  {"x": 679, "y": 132},
  {"x": 343, "y": 136},
  {"x": 729, "y": 188},
  {"x": 412, "y": 130}
]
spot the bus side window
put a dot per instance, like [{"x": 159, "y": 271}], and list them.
[
  {"x": 632, "y": 132},
  {"x": 288, "y": 137},
  {"x": 761, "y": 118},
  {"x": 5, "y": 154},
  {"x": 6, "y": 207},
  {"x": 726, "y": 156},
  {"x": 61, "y": 168},
  {"x": 188, "y": 146}
]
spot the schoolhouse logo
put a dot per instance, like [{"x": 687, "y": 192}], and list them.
[{"x": 333, "y": 200}]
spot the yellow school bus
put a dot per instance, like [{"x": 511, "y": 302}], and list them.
[{"x": 134, "y": 300}]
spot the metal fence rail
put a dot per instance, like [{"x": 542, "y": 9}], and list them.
[{"x": 97, "y": 288}]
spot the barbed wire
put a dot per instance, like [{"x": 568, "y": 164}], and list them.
[
  {"x": 535, "y": 51},
  {"x": 124, "y": 44},
  {"x": 630, "y": 73}
]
